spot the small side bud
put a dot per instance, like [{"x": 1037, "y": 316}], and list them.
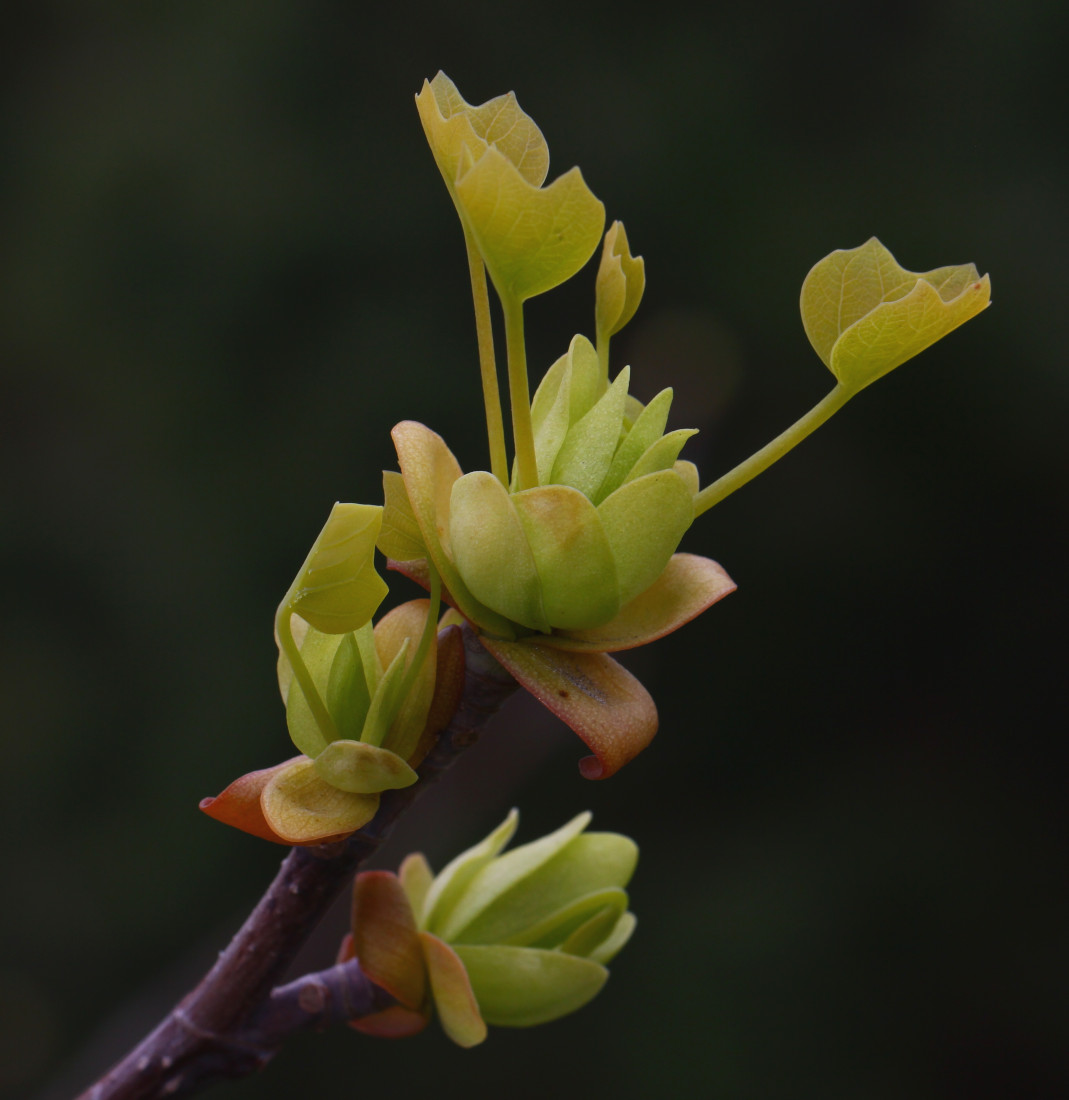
[{"x": 620, "y": 283}]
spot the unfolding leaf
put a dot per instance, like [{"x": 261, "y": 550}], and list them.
[
  {"x": 499, "y": 875},
  {"x": 565, "y": 395},
  {"x": 406, "y": 623},
  {"x": 598, "y": 698},
  {"x": 416, "y": 877},
  {"x": 608, "y": 949},
  {"x": 865, "y": 315},
  {"x": 518, "y": 899},
  {"x": 453, "y": 880},
  {"x": 319, "y": 651},
  {"x": 587, "y": 937},
  {"x": 524, "y": 986},
  {"x": 455, "y": 128},
  {"x": 524, "y": 921},
  {"x": 591, "y": 862},
  {"x": 337, "y": 588},
  {"x": 348, "y": 693},
  {"x": 584, "y": 458},
  {"x": 387, "y": 699},
  {"x": 645, "y": 431},
  {"x": 687, "y": 587},
  {"x": 532, "y": 239},
  {"x": 662, "y": 454}
]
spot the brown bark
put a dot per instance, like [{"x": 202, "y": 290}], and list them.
[{"x": 235, "y": 1020}]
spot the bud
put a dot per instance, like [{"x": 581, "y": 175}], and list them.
[
  {"x": 631, "y": 535},
  {"x": 620, "y": 282},
  {"x": 360, "y": 701},
  {"x": 510, "y": 940}
]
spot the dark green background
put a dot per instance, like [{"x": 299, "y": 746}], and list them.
[{"x": 229, "y": 265}]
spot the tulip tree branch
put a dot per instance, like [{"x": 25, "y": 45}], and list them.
[
  {"x": 234, "y": 1021},
  {"x": 314, "y": 1002}
]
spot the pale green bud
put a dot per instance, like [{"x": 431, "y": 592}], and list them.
[{"x": 536, "y": 926}]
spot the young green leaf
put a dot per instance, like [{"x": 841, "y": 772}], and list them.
[
  {"x": 400, "y": 538},
  {"x": 586, "y": 454},
  {"x": 491, "y": 550},
  {"x": 502, "y": 873},
  {"x": 573, "y": 557},
  {"x": 866, "y": 315},
  {"x": 532, "y": 239},
  {"x": 642, "y": 550},
  {"x": 348, "y": 693},
  {"x": 302, "y": 808},
  {"x": 318, "y": 654},
  {"x": 524, "y": 986},
  {"x": 458, "y": 1010},
  {"x": 647, "y": 428},
  {"x": 361, "y": 768},
  {"x": 449, "y": 886},
  {"x": 455, "y": 128},
  {"x": 337, "y": 589}
]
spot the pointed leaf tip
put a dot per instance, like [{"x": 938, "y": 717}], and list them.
[{"x": 621, "y": 281}]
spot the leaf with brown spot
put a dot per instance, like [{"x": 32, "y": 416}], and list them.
[{"x": 610, "y": 710}]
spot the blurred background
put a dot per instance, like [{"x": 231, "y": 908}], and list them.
[{"x": 228, "y": 266}]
